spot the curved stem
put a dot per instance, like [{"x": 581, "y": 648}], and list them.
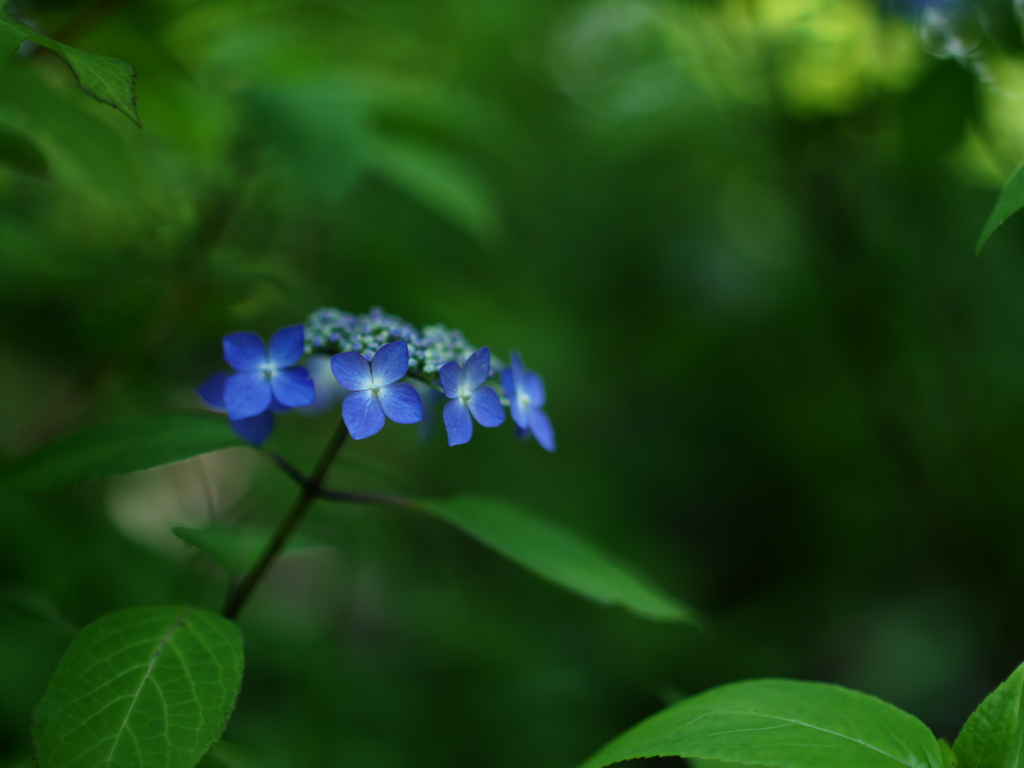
[
  {"x": 311, "y": 490},
  {"x": 378, "y": 499}
]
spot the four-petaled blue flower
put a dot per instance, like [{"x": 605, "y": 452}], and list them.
[
  {"x": 525, "y": 392},
  {"x": 265, "y": 377},
  {"x": 376, "y": 389},
  {"x": 254, "y": 429},
  {"x": 468, "y": 397}
]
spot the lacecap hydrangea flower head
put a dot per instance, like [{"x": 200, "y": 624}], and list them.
[{"x": 375, "y": 357}]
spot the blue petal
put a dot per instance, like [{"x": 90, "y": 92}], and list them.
[
  {"x": 401, "y": 402},
  {"x": 517, "y": 369},
  {"x": 540, "y": 426},
  {"x": 292, "y": 387},
  {"x": 519, "y": 414},
  {"x": 352, "y": 371},
  {"x": 245, "y": 395},
  {"x": 244, "y": 351},
  {"x": 457, "y": 422},
  {"x": 275, "y": 406},
  {"x": 478, "y": 368},
  {"x": 486, "y": 407},
  {"x": 533, "y": 385},
  {"x": 255, "y": 429},
  {"x": 451, "y": 378},
  {"x": 390, "y": 363},
  {"x": 286, "y": 346},
  {"x": 212, "y": 390},
  {"x": 362, "y": 414}
]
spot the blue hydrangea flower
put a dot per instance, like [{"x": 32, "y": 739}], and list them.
[
  {"x": 376, "y": 389},
  {"x": 254, "y": 429},
  {"x": 525, "y": 392},
  {"x": 263, "y": 376},
  {"x": 469, "y": 398}
]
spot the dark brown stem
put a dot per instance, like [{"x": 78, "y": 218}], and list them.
[
  {"x": 378, "y": 499},
  {"x": 311, "y": 490}
]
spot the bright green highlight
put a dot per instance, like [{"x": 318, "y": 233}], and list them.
[
  {"x": 992, "y": 735},
  {"x": 140, "y": 688},
  {"x": 781, "y": 723},
  {"x": 557, "y": 555},
  {"x": 1011, "y": 200},
  {"x": 116, "y": 449},
  {"x": 107, "y": 80}
]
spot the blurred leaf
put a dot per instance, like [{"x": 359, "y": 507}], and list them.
[
  {"x": 949, "y": 758},
  {"x": 34, "y": 608},
  {"x": 238, "y": 548},
  {"x": 110, "y": 81},
  {"x": 439, "y": 182},
  {"x": 1011, "y": 200},
  {"x": 115, "y": 449},
  {"x": 557, "y": 555},
  {"x": 20, "y": 154},
  {"x": 229, "y": 755},
  {"x": 164, "y": 679},
  {"x": 785, "y": 723},
  {"x": 992, "y": 736},
  {"x": 315, "y": 131}
]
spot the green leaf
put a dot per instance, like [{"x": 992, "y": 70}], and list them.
[
  {"x": 992, "y": 735},
  {"x": 140, "y": 688},
  {"x": 110, "y": 81},
  {"x": 439, "y": 182},
  {"x": 781, "y": 723},
  {"x": 115, "y": 449},
  {"x": 1011, "y": 200},
  {"x": 557, "y": 555},
  {"x": 237, "y": 549}
]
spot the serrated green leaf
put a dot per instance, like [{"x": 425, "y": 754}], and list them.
[
  {"x": 557, "y": 555},
  {"x": 140, "y": 688},
  {"x": 1011, "y": 200},
  {"x": 110, "y": 81},
  {"x": 993, "y": 734},
  {"x": 237, "y": 549},
  {"x": 782, "y": 724},
  {"x": 115, "y": 449}
]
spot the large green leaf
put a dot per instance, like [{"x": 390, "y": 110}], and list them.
[
  {"x": 140, "y": 688},
  {"x": 115, "y": 449},
  {"x": 781, "y": 723},
  {"x": 1011, "y": 200},
  {"x": 237, "y": 549},
  {"x": 108, "y": 80},
  {"x": 992, "y": 735},
  {"x": 558, "y": 555}
]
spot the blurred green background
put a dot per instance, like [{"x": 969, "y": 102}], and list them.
[{"x": 735, "y": 236}]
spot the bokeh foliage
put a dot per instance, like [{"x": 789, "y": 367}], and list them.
[{"x": 734, "y": 235}]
